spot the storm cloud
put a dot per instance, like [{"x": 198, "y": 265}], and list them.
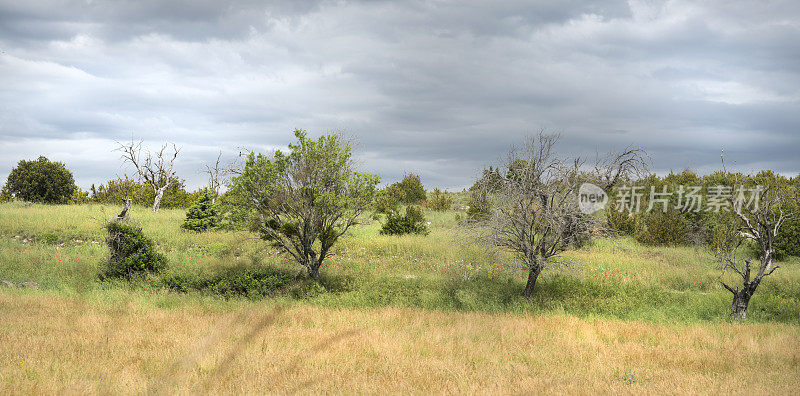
[{"x": 436, "y": 88}]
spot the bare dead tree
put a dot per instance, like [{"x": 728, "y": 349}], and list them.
[
  {"x": 154, "y": 168},
  {"x": 617, "y": 166},
  {"x": 216, "y": 176},
  {"x": 758, "y": 220},
  {"x": 535, "y": 213}
]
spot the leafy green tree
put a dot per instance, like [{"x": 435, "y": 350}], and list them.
[
  {"x": 40, "y": 180},
  {"x": 202, "y": 215},
  {"x": 306, "y": 199},
  {"x": 410, "y": 190}
]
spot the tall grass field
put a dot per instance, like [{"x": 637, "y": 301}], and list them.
[{"x": 394, "y": 314}]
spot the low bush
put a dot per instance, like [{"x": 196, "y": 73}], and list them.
[
  {"x": 413, "y": 222},
  {"x": 132, "y": 253},
  {"x": 241, "y": 281}
]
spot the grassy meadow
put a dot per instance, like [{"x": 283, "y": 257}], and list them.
[{"x": 397, "y": 314}]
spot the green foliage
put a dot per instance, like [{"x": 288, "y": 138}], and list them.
[
  {"x": 664, "y": 229},
  {"x": 79, "y": 197},
  {"x": 409, "y": 190},
  {"x": 479, "y": 206},
  {"x": 439, "y": 201},
  {"x": 141, "y": 193},
  {"x": 239, "y": 281},
  {"x": 307, "y": 198},
  {"x": 202, "y": 215},
  {"x": 132, "y": 253},
  {"x": 413, "y": 222},
  {"x": 387, "y": 201},
  {"x": 40, "y": 181}
]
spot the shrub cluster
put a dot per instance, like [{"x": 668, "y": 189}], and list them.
[
  {"x": 250, "y": 282},
  {"x": 678, "y": 227},
  {"x": 141, "y": 193},
  {"x": 439, "y": 201},
  {"x": 132, "y": 253},
  {"x": 413, "y": 222}
]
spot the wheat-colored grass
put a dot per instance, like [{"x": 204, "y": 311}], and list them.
[{"x": 57, "y": 344}]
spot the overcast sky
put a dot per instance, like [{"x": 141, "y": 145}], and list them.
[{"x": 436, "y": 88}]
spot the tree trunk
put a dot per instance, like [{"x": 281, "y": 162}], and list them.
[
  {"x": 740, "y": 302},
  {"x": 159, "y": 195},
  {"x": 533, "y": 274},
  {"x": 313, "y": 270}
]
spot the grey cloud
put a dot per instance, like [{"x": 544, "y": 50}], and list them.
[{"x": 435, "y": 88}]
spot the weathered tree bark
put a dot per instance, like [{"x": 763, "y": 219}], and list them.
[
  {"x": 126, "y": 205},
  {"x": 740, "y": 301},
  {"x": 533, "y": 274},
  {"x": 159, "y": 196},
  {"x": 313, "y": 270}
]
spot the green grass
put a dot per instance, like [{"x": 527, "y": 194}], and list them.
[{"x": 62, "y": 248}]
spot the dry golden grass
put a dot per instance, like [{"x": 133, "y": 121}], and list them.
[{"x": 58, "y": 344}]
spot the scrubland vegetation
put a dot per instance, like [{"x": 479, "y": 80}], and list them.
[
  {"x": 304, "y": 277},
  {"x": 397, "y": 313}
]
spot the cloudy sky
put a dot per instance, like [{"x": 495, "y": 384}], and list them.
[{"x": 438, "y": 88}]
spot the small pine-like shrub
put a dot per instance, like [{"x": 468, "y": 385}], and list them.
[
  {"x": 132, "y": 253},
  {"x": 479, "y": 206},
  {"x": 202, "y": 215},
  {"x": 413, "y": 222},
  {"x": 439, "y": 201}
]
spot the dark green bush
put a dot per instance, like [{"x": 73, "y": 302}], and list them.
[
  {"x": 409, "y": 190},
  {"x": 250, "y": 282},
  {"x": 202, "y": 215},
  {"x": 40, "y": 180},
  {"x": 132, "y": 253},
  {"x": 413, "y": 222}
]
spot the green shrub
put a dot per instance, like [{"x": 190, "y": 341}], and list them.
[
  {"x": 202, "y": 215},
  {"x": 49, "y": 238},
  {"x": 439, "y": 201},
  {"x": 787, "y": 243},
  {"x": 409, "y": 190},
  {"x": 386, "y": 201},
  {"x": 40, "y": 180},
  {"x": 132, "y": 253},
  {"x": 413, "y": 222},
  {"x": 620, "y": 221},
  {"x": 479, "y": 206},
  {"x": 659, "y": 228},
  {"x": 240, "y": 281}
]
